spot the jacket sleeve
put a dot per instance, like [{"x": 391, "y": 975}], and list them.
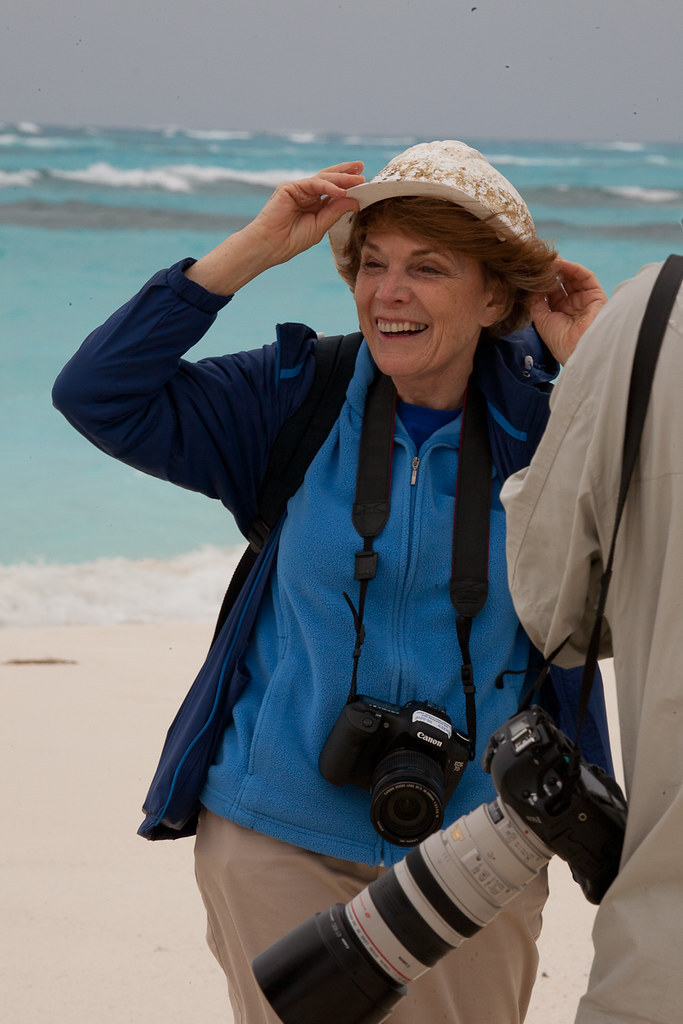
[
  {"x": 553, "y": 543},
  {"x": 207, "y": 426},
  {"x": 518, "y": 372}
]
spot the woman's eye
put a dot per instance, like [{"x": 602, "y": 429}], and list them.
[{"x": 428, "y": 268}]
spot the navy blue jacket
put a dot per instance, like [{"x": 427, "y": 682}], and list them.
[{"x": 105, "y": 401}]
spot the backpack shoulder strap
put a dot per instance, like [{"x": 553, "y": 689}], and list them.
[
  {"x": 302, "y": 435},
  {"x": 650, "y": 337},
  {"x": 294, "y": 448}
]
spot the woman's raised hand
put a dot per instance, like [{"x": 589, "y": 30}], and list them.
[
  {"x": 296, "y": 217},
  {"x": 563, "y": 316},
  {"x": 299, "y": 213}
]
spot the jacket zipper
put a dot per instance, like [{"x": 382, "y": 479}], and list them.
[{"x": 413, "y": 475}]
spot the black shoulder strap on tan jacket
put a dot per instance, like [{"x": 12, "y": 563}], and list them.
[
  {"x": 294, "y": 448},
  {"x": 650, "y": 337},
  {"x": 649, "y": 342}
]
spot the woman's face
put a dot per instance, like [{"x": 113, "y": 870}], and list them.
[{"x": 421, "y": 311}]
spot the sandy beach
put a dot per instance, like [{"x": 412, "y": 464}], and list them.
[{"x": 100, "y": 925}]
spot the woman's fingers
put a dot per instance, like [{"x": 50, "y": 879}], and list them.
[
  {"x": 564, "y": 314},
  {"x": 300, "y": 212}
]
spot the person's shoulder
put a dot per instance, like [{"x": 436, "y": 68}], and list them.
[
  {"x": 520, "y": 356},
  {"x": 606, "y": 349},
  {"x": 636, "y": 290},
  {"x": 295, "y": 347},
  {"x": 619, "y": 320}
]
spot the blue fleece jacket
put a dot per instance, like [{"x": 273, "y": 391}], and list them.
[
  {"x": 209, "y": 426},
  {"x": 298, "y": 662}
]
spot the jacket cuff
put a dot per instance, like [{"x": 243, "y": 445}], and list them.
[{"x": 191, "y": 292}]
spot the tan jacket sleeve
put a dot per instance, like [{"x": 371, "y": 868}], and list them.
[
  {"x": 553, "y": 550},
  {"x": 560, "y": 510}
]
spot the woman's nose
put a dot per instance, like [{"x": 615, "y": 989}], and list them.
[{"x": 392, "y": 287}]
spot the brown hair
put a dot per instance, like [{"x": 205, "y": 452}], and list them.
[{"x": 522, "y": 267}]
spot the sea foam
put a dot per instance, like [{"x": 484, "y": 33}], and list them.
[
  {"x": 18, "y": 179},
  {"x": 637, "y": 194},
  {"x": 185, "y": 588},
  {"x": 174, "y": 177}
]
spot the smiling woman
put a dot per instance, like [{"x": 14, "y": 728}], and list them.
[
  {"x": 520, "y": 264},
  {"x": 435, "y": 274},
  {"x": 421, "y": 311},
  {"x": 443, "y": 260}
]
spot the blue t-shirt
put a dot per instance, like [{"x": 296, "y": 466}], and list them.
[{"x": 421, "y": 422}]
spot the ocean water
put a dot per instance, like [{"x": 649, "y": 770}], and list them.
[{"x": 87, "y": 215}]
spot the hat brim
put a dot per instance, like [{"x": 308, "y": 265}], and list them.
[{"x": 375, "y": 191}]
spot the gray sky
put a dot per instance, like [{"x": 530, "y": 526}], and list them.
[{"x": 537, "y": 69}]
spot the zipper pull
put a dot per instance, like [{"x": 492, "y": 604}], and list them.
[{"x": 413, "y": 475}]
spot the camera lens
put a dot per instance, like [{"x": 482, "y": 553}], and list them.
[
  {"x": 320, "y": 971},
  {"x": 352, "y": 963},
  {"x": 405, "y": 808},
  {"x": 407, "y": 797}
]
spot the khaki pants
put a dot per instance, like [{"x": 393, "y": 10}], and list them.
[{"x": 256, "y": 889}]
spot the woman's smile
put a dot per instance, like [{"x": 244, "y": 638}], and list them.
[{"x": 399, "y": 327}]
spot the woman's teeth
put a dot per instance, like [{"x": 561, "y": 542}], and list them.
[{"x": 401, "y": 327}]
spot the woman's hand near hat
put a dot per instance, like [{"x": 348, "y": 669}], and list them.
[
  {"x": 299, "y": 213},
  {"x": 564, "y": 315},
  {"x": 296, "y": 217}
]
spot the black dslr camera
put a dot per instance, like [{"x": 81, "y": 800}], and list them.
[
  {"x": 410, "y": 758},
  {"x": 575, "y": 808}
]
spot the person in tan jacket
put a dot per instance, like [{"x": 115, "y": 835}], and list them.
[{"x": 560, "y": 517}]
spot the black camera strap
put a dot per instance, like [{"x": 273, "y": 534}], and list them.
[
  {"x": 469, "y": 586},
  {"x": 371, "y": 505},
  {"x": 648, "y": 345},
  {"x": 470, "y": 550}
]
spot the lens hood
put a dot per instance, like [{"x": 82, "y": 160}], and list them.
[{"x": 320, "y": 964}]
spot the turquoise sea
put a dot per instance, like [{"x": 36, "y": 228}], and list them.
[{"x": 87, "y": 215}]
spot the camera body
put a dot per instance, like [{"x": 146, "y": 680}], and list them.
[
  {"x": 410, "y": 758},
  {"x": 575, "y": 808}
]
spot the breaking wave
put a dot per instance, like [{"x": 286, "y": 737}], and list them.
[
  {"x": 173, "y": 177},
  {"x": 198, "y": 178},
  {"x": 185, "y": 588}
]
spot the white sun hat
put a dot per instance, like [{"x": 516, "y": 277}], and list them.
[{"x": 443, "y": 170}]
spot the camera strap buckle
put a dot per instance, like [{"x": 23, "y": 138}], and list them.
[{"x": 366, "y": 565}]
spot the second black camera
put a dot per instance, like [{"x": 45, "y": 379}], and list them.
[{"x": 410, "y": 758}]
